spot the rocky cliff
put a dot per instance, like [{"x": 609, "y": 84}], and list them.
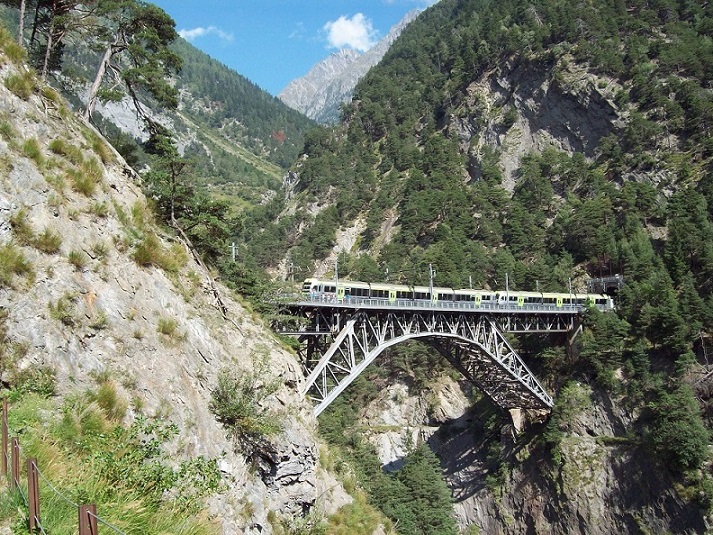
[
  {"x": 103, "y": 289},
  {"x": 319, "y": 93},
  {"x": 595, "y": 481}
]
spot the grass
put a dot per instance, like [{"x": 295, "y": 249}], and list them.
[
  {"x": 48, "y": 241},
  {"x": 13, "y": 262},
  {"x": 23, "y": 85},
  {"x": 21, "y": 227},
  {"x": 70, "y": 152},
  {"x": 12, "y": 50},
  {"x": 100, "y": 250},
  {"x": 87, "y": 456},
  {"x": 7, "y": 132},
  {"x": 64, "y": 310},
  {"x": 31, "y": 149},
  {"x": 99, "y": 146},
  {"x": 151, "y": 252},
  {"x": 78, "y": 259},
  {"x": 167, "y": 326},
  {"x": 99, "y": 209}
]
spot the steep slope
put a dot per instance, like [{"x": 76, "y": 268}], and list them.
[
  {"x": 91, "y": 286},
  {"x": 330, "y": 83}
]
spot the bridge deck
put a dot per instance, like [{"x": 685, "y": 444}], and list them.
[{"x": 360, "y": 303}]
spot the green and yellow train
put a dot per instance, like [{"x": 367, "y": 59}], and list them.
[{"x": 401, "y": 294}]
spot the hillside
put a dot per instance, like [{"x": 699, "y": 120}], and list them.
[
  {"x": 96, "y": 297},
  {"x": 548, "y": 143},
  {"x": 240, "y": 138}
]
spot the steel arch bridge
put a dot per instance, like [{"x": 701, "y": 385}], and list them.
[{"x": 338, "y": 341}]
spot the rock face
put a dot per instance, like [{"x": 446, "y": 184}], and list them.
[
  {"x": 599, "y": 484},
  {"x": 331, "y": 82},
  {"x": 521, "y": 108},
  {"x": 89, "y": 308}
]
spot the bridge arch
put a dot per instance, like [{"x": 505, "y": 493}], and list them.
[{"x": 339, "y": 346}]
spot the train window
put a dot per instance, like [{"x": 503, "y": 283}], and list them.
[{"x": 330, "y": 289}]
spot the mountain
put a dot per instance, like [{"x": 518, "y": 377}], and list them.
[
  {"x": 330, "y": 83},
  {"x": 548, "y": 144}
]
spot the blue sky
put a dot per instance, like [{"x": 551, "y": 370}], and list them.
[{"x": 272, "y": 42}]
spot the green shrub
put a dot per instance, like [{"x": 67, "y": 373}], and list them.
[
  {"x": 235, "y": 402},
  {"x": 12, "y": 262},
  {"x": 109, "y": 400},
  {"x": 23, "y": 85},
  {"x": 40, "y": 380},
  {"x": 49, "y": 241}
]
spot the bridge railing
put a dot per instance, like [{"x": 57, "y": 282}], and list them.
[{"x": 421, "y": 304}]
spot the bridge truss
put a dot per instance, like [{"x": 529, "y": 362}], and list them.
[{"x": 337, "y": 343}]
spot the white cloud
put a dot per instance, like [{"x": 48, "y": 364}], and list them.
[
  {"x": 195, "y": 33},
  {"x": 356, "y": 32}
]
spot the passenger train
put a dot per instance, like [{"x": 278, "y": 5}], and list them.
[{"x": 400, "y": 294}]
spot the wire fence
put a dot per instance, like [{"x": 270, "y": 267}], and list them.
[{"x": 29, "y": 490}]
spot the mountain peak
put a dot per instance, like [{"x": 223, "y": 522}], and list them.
[{"x": 331, "y": 82}]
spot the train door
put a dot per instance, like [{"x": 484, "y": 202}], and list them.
[
  {"x": 434, "y": 297},
  {"x": 340, "y": 294},
  {"x": 559, "y": 302},
  {"x": 478, "y": 299},
  {"x": 520, "y": 300},
  {"x": 392, "y": 296}
]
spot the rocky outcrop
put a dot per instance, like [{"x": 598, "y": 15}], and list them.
[
  {"x": 529, "y": 107},
  {"x": 320, "y": 92},
  {"x": 89, "y": 308},
  {"x": 598, "y": 482}
]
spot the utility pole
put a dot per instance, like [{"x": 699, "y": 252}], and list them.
[
  {"x": 431, "y": 276},
  {"x": 336, "y": 270},
  {"x": 232, "y": 249},
  {"x": 387, "y": 273}
]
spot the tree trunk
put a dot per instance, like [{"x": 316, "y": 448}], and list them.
[
  {"x": 21, "y": 25},
  {"x": 48, "y": 52},
  {"x": 101, "y": 71}
]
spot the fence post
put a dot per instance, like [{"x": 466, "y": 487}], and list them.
[
  {"x": 33, "y": 494},
  {"x": 4, "y": 438},
  {"x": 88, "y": 524},
  {"x": 15, "y": 483}
]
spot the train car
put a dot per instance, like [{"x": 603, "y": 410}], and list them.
[{"x": 327, "y": 290}]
